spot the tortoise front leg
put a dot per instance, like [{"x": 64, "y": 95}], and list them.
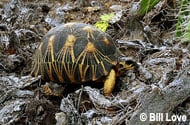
[{"x": 109, "y": 83}]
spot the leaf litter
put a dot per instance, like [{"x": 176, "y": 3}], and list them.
[{"x": 148, "y": 40}]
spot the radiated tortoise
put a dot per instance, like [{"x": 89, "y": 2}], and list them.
[{"x": 77, "y": 53}]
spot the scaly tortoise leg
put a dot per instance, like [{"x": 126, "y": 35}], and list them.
[{"x": 109, "y": 83}]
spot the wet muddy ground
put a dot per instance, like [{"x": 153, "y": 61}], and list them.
[{"x": 160, "y": 83}]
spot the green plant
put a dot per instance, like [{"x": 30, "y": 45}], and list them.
[
  {"x": 145, "y": 6},
  {"x": 104, "y": 21},
  {"x": 183, "y": 24},
  {"x": 186, "y": 36}
]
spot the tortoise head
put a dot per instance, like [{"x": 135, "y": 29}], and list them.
[{"x": 125, "y": 64}]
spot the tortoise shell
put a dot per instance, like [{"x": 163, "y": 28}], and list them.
[{"x": 74, "y": 53}]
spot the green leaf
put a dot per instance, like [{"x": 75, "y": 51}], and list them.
[
  {"x": 183, "y": 23},
  {"x": 102, "y": 25},
  {"x": 106, "y": 17},
  {"x": 178, "y": 27},
  {"x": 146, "y": 5},
  {"x": 104, "y": 21},
  {"x": 186, "y": 36}
]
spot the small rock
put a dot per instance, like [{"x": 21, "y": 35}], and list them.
[
  {"x": 61, "y": 118},
  {"x": 116, "y": 7}
]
